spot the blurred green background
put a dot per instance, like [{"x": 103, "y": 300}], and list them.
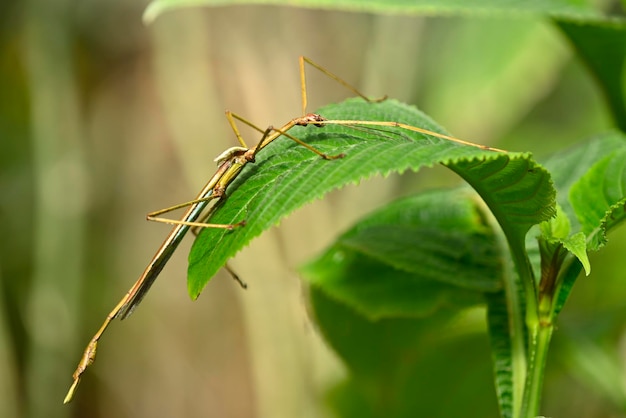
[{"x": 103, "y": 119}]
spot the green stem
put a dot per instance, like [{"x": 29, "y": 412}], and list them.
[
  {"x": 521, "y": 311},
  {"x": 523, "y": 349},
  {"x": 540, "y": 343}
]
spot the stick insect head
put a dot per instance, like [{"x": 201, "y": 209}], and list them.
[{"x": 229, "y": 154}]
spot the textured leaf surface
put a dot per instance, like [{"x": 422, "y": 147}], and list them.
[
  {"x": 286, "y": 176},
  {"x": 599, "y": 196},
  {"x": 411, "y": 258}
]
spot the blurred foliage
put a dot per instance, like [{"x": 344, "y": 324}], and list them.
[{"x": 103, "y": 119}]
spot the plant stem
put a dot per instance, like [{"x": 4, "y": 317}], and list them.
[
  {"x": 523, "y": 349},
  {"x": 541, "y": 336}
]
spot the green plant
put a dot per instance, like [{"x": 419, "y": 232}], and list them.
[{"x": 387, "y": 294}]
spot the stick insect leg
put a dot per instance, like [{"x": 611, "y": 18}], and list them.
[
  {"x": 235, "y": 276},
  {"x": 196, "y": 230},
  {"x": 266, "y": 132},
  {"x": 154, "y": 216},
  {"x": 304, "y": 60},
  {"x": 231, "y": 120},
  {"x": 304, "y": 144},
  {"x": 266, "y": 139},
  {"x": 89, "y": 354},
  {"x": 338, "y": 79},
  {"x": 354, "y": 123}
]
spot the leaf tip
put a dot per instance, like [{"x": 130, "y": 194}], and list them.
[{"x": 193, "y": 290}]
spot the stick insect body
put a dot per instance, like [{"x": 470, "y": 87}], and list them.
[{"x": 230, "y": 163}]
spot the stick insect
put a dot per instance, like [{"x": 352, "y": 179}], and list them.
[{"x": 230, "y": 163}]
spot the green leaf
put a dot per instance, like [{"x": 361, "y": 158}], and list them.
[
  {"x": 378, "y": 291},
  {"x": 286, "y": 176},
  {"x": 398, "y": 367},
  {"x": 566, "y": 9},
  {"x": 602, "y": 47},
  {"x": 558, "y": 227},
  {"x": 518, "y": 191},
  {"x": 412, "y": 258},
  {"x": 599, "y": 196},
  {"x": 591, "y": 183},
  {"x": 454, "y": 257},
  {"x": 577, "y": 245},
  {"x": 569, "y": 166},
  {"x": 555, "y": 233}
]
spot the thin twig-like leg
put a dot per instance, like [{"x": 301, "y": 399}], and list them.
[{"x": 335, "y": 77}]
